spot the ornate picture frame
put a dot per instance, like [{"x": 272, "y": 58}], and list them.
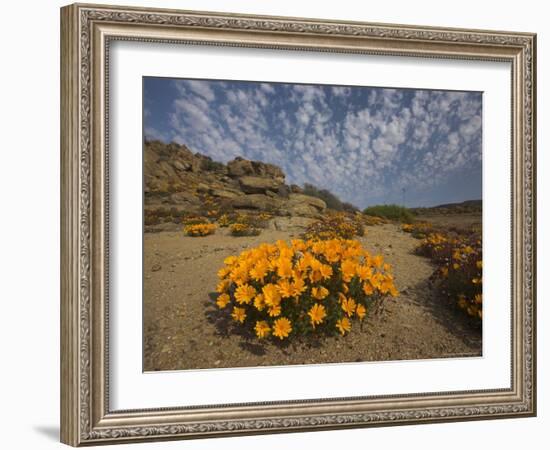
[{"x": 87, "y": 32}]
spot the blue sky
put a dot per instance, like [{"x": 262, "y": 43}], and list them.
[{"x": 367, "y": 145}]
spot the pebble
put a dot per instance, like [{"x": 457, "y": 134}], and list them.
[{"x": 156, "y": 267}]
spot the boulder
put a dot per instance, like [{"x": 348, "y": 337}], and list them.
[
  {"x": 256, "y": 201},
  {"x": 272, "y": 194},
  {"x": 303, "y": 210},
  {"x": 184, "y": 197},
  {"x": 303, "y": 206},
  {"x": 302, "y": 199},
  {"x": 222, "y": 193},
  {"x": 292, "y": 223},
  {"x": 203, "y": 188},
  {"x": 271, "y": 170},
  {"x": 283, "y": 191},
  {"x": 182, "y": 166},
  {"x": 240, "y": 167},
  {"x": 258, "y": 185}
]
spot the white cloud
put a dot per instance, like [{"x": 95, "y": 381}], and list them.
[
  {"x": 267, "y": 88},
  {"x": 341, "y": 91},
  {"x": 365, "y": 148},
  {"x": 199, "y": 87},
  {"x": 154, "y": 134}
]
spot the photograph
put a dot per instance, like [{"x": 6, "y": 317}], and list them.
[
  {"x": 309, "y": 221},
  {"x": 291, "y": 224}
]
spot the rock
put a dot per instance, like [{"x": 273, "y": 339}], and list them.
[
  {"x": 308, "y": 200},
  {"x": 156, "y": 267},
  {"x": 271, "y": 225},
  {"x": 256, "y": 201},
  {"x": 291, "y": 223},
  {"x": 303, "y": 210},
  {"x": 283, "y": 191},
  {"x": 177, "y": 178},
  {"x": 304, "y": 205},
  {"x": 183, "y": 166},
  {"x": 203, "y": 188},
  {"x": 240, "y": 167},
  {"x": 184, "y": 197},
  {"x": 258, "y": 185},
  {"x": 221, "y": 193}
]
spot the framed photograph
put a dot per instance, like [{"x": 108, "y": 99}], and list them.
[{"x": 276, "y": 224}]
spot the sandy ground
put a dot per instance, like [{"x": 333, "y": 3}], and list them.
[
  {"x": 461, "y": 221},
  {"x": 183, "y": 328}
]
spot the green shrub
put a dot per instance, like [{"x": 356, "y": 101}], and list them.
[
  {"x": 328, "y": 197},
  {"x": 391, "y": 212},
  {"x": 212, "y": 166}
]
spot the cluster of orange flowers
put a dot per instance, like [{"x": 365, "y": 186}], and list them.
[
  {"x": 244, "y": 224},
  {"x": 419, "y": 230},
  {"x": 243, "y": 229},
  {"x": 460, "y": 268},
  {"x": 373, "y": 220},
  {"x": 335, "y": 226},
  {"x": 302, "y": 287},
  {"x": 199, "y": 229}
]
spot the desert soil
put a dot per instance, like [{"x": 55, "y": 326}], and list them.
[
  {"x": 460, "y": 221},
  {"x": 183, "y": 328}
]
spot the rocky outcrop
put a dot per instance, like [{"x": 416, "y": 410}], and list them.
[
  {"x": 240, "y": 167},
  {"x": 176, "y": 178},
  {"x": 184, "y": 197}
]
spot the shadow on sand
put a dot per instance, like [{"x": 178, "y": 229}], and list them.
[{"x": 446, "y": 313}]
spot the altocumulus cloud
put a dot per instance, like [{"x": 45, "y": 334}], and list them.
[{"x": 367, "y": 145}]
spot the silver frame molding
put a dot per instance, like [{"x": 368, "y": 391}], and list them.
[{"x": 86, "y": 32}]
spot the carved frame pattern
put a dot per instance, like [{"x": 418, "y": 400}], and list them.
[{"x": 86, "y": 418}]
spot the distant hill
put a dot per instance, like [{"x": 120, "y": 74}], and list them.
[
  {"x": 466, "y": 207},
  {"x": 468, "y": 204}
]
